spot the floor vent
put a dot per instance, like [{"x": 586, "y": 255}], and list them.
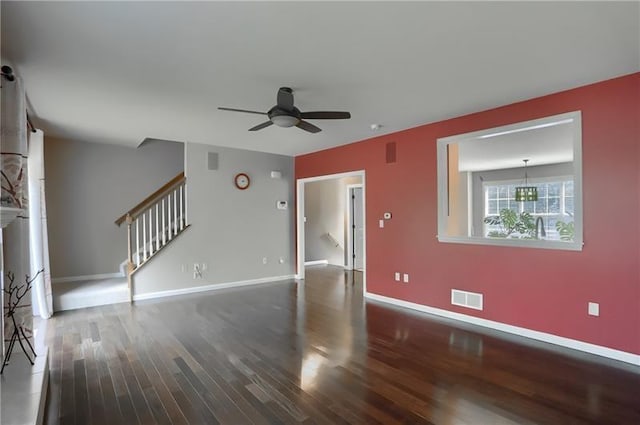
[{"x": 466, "y": 299}]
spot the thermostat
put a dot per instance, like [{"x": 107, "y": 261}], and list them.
[{"x": 281, "y": 205}]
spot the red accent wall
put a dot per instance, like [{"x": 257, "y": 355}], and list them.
[{"x": 553, "y": 297}]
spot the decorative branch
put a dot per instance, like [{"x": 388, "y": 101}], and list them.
[
  {"x": 18, "y": 292},
  {"x": 11, "y": 190}
]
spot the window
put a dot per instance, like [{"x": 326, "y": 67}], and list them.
[
  {"x": 554, "y": 204},
  {"x": 478, "y": 174}
]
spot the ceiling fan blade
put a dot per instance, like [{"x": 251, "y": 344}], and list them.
[
  {"x": 307, "y": 126},
  {"x": 325, "y": 115},
  {"x": 261, "y": 126},
  {"x": 242, "y": 110},
  {"x": 285, "y": 98}
]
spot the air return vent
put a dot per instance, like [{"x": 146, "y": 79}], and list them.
[
  {"x": 390, "y": 154},
  {"x": 212, "y": 160},
  {"x": 466, "y": 299}
]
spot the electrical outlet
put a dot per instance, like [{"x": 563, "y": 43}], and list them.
[
  {"x": 397, "y": 276},
  {"x": 381, "y": 223},
  {"x": 183, "y": 268},
  {"x": 405, "y": 278},
  {"x": 204, "y": 266},
  {"x": 594, "y": 309},
  {"x": 264, "y": 260}
]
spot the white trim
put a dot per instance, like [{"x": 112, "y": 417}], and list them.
[
  {"x": 210, "y": 287},
  {"x": 86, "y": 277},
  {"x": 332, "y": 176},
  {"x": 316, "y": 263},
  {"x": 300, "y": 241},
  {"x": 516, "y": 243},
  {"x": 599, "y": 350}
]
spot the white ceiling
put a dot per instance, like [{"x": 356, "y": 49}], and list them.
[
  {"x": 122, "y": 72},
  {"x": 541, "y": 146}
]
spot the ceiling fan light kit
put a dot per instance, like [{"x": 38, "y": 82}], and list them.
[
  {"x": 285, "y": 120},
  {"x": 284, "y": 114}
]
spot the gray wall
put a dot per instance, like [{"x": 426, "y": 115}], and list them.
[
  {"x": 540, "y": 171},
  {"x": 231, "y": 230},
  {"x": 88, "y": 186},
  {"x": 325, "y": 210}
]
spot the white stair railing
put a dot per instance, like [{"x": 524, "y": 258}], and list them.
[{"x": 153, "y": 223}]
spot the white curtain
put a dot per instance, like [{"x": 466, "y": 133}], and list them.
[
  {"x": 38, "y": 238},
  {"x": 13, "y": 132}
]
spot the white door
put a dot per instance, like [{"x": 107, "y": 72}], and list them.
[{"x": 357, "y": 228}]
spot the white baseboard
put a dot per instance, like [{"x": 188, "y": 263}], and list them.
[
  {"x": 210, "y": 287},
  {"x": 599, "y": 350},
  {"x": 316, "y": 263},
  {"x": 87, "y": 277}
]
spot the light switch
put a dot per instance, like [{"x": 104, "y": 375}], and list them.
[
  {"x": 594, "y": 309},
  {"x": 405, "y": 278},
  {"x": 381, "y": 224},
  {"x": 397, "y": 276}
]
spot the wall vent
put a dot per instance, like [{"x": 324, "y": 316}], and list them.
[
  {"x": 466, "y": 299},
  {"x": 212, "y": 160},
  {"x": 391, "y": 152}
]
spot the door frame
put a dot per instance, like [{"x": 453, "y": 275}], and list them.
[
  {"x": 349, "y": 245},
  {"x": 300, "y": 213}
]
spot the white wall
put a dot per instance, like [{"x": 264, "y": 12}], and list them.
[
  {"x": 231, "y": 230},
  {"x": 90, "y": 185},
  {"x": 325, "y": 211}
]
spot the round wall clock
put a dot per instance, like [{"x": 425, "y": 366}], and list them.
[{"x": 242, "y": 181}]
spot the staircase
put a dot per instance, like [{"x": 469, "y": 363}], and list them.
[{"x": 153, "y": 224}]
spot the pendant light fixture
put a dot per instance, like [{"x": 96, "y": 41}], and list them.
[{"x": 526, "y": 192}]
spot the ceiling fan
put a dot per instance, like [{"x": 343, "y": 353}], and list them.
[{"x": 284, "y": 114}]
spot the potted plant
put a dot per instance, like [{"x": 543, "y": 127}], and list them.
[
  {"x": 566, "y": 230},
  {"x": 512, "y": 225}
]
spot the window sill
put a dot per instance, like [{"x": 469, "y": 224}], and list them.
[{"x": 516, "y": 243}]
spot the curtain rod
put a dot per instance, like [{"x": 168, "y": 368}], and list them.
[{"x": 7, "y": 73}]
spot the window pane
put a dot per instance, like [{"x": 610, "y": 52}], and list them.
[
  {"x": 492, "y": 208},
  {"x": 568, "y": 188},
  {"x": 554, "y": 205},
  {"x": 555, "y": 189},
  {"x": 528, "y": 206},
  {"x": 492, "y": 191},
  {"x": 542, "y": 190},
  {"x": 541, "y": 205},
  {"x": 502, "y": 192},
  {"x": 568, "y": 206}
]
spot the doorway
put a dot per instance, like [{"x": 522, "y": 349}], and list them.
[{"x": 360, "y": 231}]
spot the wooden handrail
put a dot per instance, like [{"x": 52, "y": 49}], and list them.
[{"x": 151, "y": 199}]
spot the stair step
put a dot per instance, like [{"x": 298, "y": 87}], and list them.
[{"x": 74, "y": 295}]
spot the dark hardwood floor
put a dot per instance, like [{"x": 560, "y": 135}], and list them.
[{"x": 314, "y": 353}]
